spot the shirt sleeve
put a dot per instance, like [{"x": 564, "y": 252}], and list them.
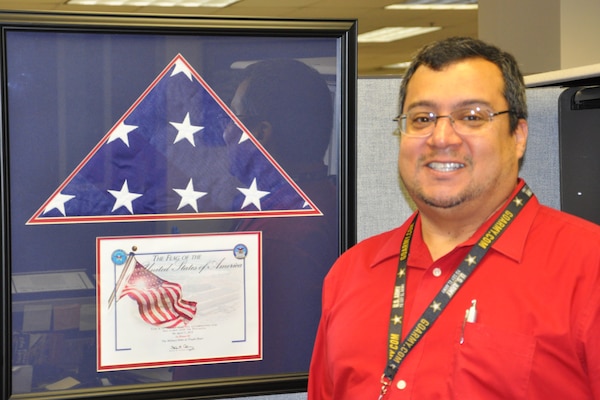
[{"x": 320, "y": 382}]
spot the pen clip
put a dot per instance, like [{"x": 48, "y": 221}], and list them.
[
  {"x": 470, "y": 317},
  {"x": 472, "y": 312}
]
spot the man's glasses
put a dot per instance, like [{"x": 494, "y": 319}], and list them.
[{"x": 465, "y": 121}]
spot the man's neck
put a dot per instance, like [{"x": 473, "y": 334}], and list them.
[
  {"x": 444, "y": 229},
  {"x": 442, "y": 238}
]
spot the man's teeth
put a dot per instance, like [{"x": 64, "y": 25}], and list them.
[{"x": 445, "y": 167}]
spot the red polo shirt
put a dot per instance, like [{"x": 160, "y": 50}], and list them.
[{"x": 537, "y": 333}]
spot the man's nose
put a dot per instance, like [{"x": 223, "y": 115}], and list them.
[{"x": 444, "y": 133}]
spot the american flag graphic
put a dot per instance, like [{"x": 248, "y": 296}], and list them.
[
  {"x": 159, "y": 301},
  {"x": 166, "y": 158}
]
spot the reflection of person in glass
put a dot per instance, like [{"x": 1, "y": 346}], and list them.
[{"x": 287, "y": 106}]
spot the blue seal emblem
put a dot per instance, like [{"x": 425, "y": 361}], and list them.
[
  {"x": 240, "y": 251},
  {"x": 119, "y": 257}
]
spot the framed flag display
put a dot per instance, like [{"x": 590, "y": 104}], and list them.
[{"x": 173, "y": 192}]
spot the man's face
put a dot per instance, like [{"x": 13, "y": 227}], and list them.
[
  {"x": 255, "y": 124},
  {"x": 447, "y": 169},
  {"x": 232, "y": 132}
]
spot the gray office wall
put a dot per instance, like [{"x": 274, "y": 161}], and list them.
[{"x": 381, "y": 204}]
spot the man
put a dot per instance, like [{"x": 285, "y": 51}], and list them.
[
  {"x": 483, "y": 293},
  {"x": 288, "y": 107}
]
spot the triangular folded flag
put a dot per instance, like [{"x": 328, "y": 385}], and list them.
[{"x": 166, "y": 159}]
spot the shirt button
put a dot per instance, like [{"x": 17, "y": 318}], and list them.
[
  {"x": 401, "y": 384},
  {"x": 437, "y": 272}
]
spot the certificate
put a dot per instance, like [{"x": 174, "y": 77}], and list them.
[{"x": 178, "y": 300}]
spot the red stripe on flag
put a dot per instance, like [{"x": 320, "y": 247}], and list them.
[{"x": 159, "y": 301}]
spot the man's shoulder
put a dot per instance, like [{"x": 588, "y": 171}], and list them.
[
  {"x": 567, "y": 228},
  {"x": 551, "y": 217},
  {"x": 357, "y": 263},
  {"x": 373, "y": 249}
]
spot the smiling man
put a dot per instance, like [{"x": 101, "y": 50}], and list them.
[{"x": 483, "y": 293}]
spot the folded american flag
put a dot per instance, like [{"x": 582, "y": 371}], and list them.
[{"x": 165, "y": 158}]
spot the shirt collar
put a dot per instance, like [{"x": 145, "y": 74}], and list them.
[
  {"x": 391, "y": 247},
  {"x": 511, "y": 245},
  {"x": 512, "y": 242}
]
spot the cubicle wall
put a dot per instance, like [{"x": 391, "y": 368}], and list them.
[{"x": 381, "y": 204}]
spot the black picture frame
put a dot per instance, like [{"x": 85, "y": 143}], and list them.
[{"x": 66, "y": 79}]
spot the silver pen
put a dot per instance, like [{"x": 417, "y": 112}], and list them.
[{"x": 470, "y": 317}]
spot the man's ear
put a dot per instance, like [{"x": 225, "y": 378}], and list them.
[
  {"x": 263, "y": 131},
  {"x": 520, "y": 135}
]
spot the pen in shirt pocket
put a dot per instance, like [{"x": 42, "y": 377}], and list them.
[{"x": 470, "y": 317}]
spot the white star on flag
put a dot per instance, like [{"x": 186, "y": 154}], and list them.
[
  {"x": 121, "y": 132},
  {"x": 185, "y": 130},
  {"x": 59, "y": 203},
  {"x": 253, "y": 195},
  {"x": 124, "y": 198},
  {"x": 189, "y": 196},
  {"x": 243, "y": 138},
  {"x": 180, "y": 67}
]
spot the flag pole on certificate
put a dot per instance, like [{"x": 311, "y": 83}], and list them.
[{"x": 126, "y": 268}]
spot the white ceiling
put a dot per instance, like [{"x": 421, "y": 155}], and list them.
[{"x": 372, "y": 57}]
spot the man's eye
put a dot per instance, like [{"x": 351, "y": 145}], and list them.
[
  {"x": 421, "y": 119},
  {"x": 470, "y": 116}
]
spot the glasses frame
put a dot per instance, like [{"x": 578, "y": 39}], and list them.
[{"x": 401, "y": 119}]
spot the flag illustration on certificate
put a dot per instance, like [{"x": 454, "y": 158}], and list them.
[
  {"x": 166, "y": 158},
  {"x": 160, "y": 302}
]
